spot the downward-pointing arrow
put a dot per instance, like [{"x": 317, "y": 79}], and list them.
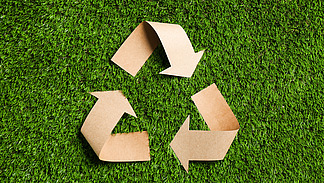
[
  {"x": 207, "y": 145},
  {"x": 137, "y": 48},
  {"x": 99, "y": 124},
  {"x": 184, "y": 67}
]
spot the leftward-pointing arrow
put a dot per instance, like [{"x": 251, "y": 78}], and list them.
[
  {"x": 99, "y": 124},
  {"x": 207, "y": 145},
  {"x": 141, "y": 43},
  {"x": 201, "y": 145}
]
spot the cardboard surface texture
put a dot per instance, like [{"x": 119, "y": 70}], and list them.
[
  {"x": 138, "y": 47},
  {"x": 100, "y": 122},
  {"x": 207, "y": 145}
]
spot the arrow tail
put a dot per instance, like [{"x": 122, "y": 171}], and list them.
[
  {"x": 126, "y": 147},
  {"x": 136, "y": 49},
  {"x": 215, "y": 110}
]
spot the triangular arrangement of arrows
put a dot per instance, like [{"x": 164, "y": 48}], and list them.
[
  {"x": 207, "y": 145},
  {"x": 111, "y": 105},
  {"x": 141, "y": 43}
]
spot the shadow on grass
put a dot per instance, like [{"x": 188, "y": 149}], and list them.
[{"x": 88, "y": 151}]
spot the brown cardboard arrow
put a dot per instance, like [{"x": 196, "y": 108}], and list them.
[
  {"x": 100, "y": 122},
  {"x": 207, "y": 145},
  {"x": 138, "y": 47}
]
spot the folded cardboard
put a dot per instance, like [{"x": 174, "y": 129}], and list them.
[
  {"x": 141, "y": 43},
  {"x": 100, "y": 122},
  {"x": 207, "y": 145}
]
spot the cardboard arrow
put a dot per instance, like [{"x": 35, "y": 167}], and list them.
[
  {"x": 99, "y": 124},
  {"x": 138, "y": 47},
  {"x": 207, "y": 145}
]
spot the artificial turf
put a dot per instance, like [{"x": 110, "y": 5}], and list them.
[{"x": 265, "y": 57}]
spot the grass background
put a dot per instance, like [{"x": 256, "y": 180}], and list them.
[{"x": 265, "y": 57}]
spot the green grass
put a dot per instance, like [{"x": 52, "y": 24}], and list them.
[{"x": 266, "y": 59}]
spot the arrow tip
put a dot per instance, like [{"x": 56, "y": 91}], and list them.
[
  {"x": 130, "y": 111},
  {"x": 127, "y": 106},
  {"x": 180, "y": 144},
  {"x": 199, "y": 54},
  {"x": 98, "y": 94}
]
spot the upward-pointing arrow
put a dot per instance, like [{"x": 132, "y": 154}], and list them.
[
  {"x": 100, "y": 122},
  {"x": 137, "y": 48}
]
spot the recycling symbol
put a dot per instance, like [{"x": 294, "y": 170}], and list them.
[{"x": 111, "y": 105}]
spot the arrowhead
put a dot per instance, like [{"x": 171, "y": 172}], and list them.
[
  {"x": 185, "y": 68},
  {"x": 129, "y": 110},
  {"x": 117, "y": 98},
  {"x": 99, "y": 94},
  {"x": 180, "y": 144}
]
